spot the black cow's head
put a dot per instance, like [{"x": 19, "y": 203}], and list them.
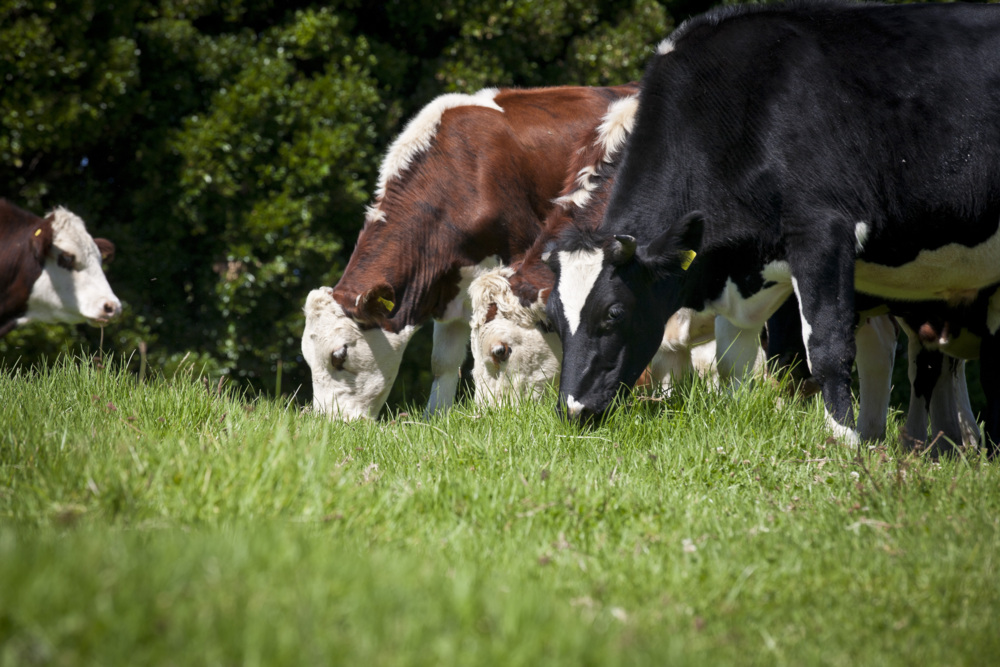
[{"x": 611, "y": 301}]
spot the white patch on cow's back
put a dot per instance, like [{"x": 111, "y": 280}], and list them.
[
  {"x": 665, "y": 47},
  {"x": 72, "y": 295},
  {"x": 418, "y": 135},
  {"x": 578, "y": 271},
  {"x": 861, "y": 232},
  {"x": 617, "y": 125},
  {"x": 361, "y": 387},
  {"x": 953, "y": 272},
  {"x": 580, "y": 197}
]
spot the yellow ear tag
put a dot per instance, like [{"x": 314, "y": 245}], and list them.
[
  {"x": 38, "y": 232},
  {"x": 688, "y": 257},
  {"x": 389, "y": 305}
]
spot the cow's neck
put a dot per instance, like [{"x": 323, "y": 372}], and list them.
[
  {"x": 422, "y": 290},
  {"x": 19, "y": 267}
]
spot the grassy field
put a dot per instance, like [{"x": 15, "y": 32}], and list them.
[{"x": 170, "y": 523}]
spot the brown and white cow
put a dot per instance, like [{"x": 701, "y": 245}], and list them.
[
  {"x": 465, "y": 185},
  {"x": 50, "y": 270},
  {"x": 515, "y": 354}
]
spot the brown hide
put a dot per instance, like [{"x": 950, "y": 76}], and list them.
[
  {"x": 531, "y": 277},
  {"x": 25, "y": 240},
  {"x": 483, "y": 188}
]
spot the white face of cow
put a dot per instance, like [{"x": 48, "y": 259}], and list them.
[
  {"x": 352, "y": 368},
  {"x": 72, "y": 286},
  {"x": 513, "y": 358},
  {"x": 516, "y": 357}
]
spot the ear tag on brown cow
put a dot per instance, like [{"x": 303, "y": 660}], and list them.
[
  {"x": 686, "y": 258},
  {"x": 389, "y": 305},
  {"x": 38, "y": 232}
]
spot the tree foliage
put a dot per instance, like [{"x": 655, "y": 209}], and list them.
[{"x": 229, "y": 148}]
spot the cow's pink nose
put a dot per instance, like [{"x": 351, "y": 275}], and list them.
[{"x": 112, "y": 309}]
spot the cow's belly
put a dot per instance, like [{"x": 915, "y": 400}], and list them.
[{"x": 952, "y": 273}]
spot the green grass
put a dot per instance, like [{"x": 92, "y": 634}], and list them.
[{"x": 164, "y": 523}]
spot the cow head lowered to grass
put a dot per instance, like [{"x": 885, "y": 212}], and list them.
[
  {"x": 609, "y": 310},
  {"x": 357, "y": 363},
  {"x": 50, "y": 270}
]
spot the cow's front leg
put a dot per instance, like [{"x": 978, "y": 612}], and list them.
[
  {"x": 824, "y": 285},
  {"x": 447, "y": 355}
]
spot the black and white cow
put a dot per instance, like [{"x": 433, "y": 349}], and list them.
[{"x": 810, "y": 148}]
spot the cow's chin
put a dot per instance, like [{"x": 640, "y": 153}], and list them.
[
  {"x": 348, "y": 407},
  {"x": 343, "y": 414}
]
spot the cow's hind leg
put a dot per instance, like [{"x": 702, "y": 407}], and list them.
[
  {"x": 823, "y": 280},
  {"x": 946, "y": 430},
  {"x": 876, "y": 343},
  {"x": 989, "y": 377},
  {"x": 923, "y": 369},
  {"x": 736, "y": 351},
  {"x": 450, "y": 341},
  {"x": 966, "y": 417}
]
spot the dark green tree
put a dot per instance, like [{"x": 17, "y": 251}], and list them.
[{"x": 229, "y": 148}]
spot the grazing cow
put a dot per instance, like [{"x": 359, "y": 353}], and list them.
[
  {"x": 809, "y": 148},
  {"x": 50, "y": 270},
  {"x": 515, "y": 353},
  {"x": 467, "y": 184},
  {"x": 941, "y": 338}
]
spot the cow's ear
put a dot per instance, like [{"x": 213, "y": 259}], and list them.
[
  {"x": 374, "y": 306},
  {"x": 676, "y": 247},
  {"x": 41, "y": 239},
  {"x": 107, "y": 250},
  {"x": 692, "y": 228}
]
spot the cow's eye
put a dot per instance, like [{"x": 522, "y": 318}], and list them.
[
  {"x": 337, "y": 358},
  {"x": 500, "y": 353},
  {"x": 616, "y": 312},
  {"x": 66, "y": 260}
]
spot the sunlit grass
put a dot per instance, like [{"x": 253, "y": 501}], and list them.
[{"x": 170, "y": 522}]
